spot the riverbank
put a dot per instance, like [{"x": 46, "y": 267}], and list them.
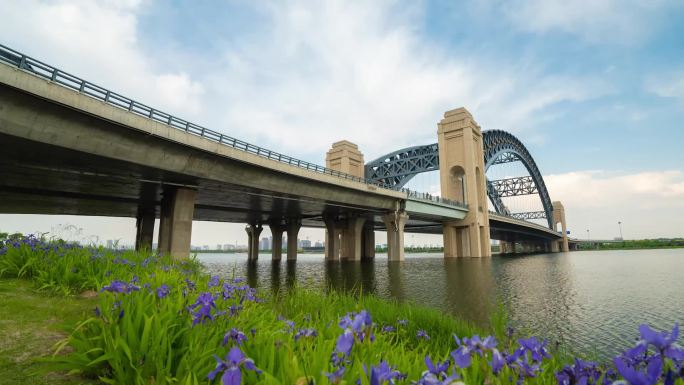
[
  {"x": 31, "y": 323},
  {"x": 162, "y": 321}
]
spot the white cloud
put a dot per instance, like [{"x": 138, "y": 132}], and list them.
[
  {"x": 97, "y": 41},
  {"x": 312, "y": 74},
  {"x": 667, "y": 84},
  {"x": 615, "y": 21},
  {"x": 645, "y": 202}
]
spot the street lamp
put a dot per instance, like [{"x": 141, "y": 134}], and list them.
[
  {"x": 620, "y": 226},
  {"x": 588, "y": 238}
]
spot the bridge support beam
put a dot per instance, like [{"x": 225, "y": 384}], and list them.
[
  {"x": 368, "y": 241},
  {"x": 144, "y": 225},
  {"x": 461, "y": 165},
  {"x": 175, "y": 223},
  {"x": 395, "y": 223},
  {"x": 559, "y": 217},
  {"x": 352, "y": 233},
  {"x": 333, "y": 231},
  {"x": 293, "y": 226},
  {"x": 277, "y": 229},
  {"x": 253, "y": 232}
]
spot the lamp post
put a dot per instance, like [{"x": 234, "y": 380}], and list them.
[{"x": 620, "y": 226}]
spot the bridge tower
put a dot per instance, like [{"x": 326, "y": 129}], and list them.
[
  {"x": 559, "y": 217},
  {"x": 347, "y": 236},
  {"x": 462, "y": 178}
]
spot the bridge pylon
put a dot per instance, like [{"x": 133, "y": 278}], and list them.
[
  {"x": 462, "y": 178},
  {"x": 559, "y": 217}
]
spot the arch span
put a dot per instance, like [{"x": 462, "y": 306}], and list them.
[{"x": 399, "y": 167}]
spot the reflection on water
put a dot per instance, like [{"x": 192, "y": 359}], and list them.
[{"x": 584, "y": 300}]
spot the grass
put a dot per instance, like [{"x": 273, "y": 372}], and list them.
[
  {"x": 161, "y": 321},
  {"x": 31, "y": 322}
]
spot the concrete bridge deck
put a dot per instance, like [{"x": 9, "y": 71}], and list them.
[{"x": 70, "y": 152}]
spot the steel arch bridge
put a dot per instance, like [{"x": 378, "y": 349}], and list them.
[{"x": 397, "y": 168}]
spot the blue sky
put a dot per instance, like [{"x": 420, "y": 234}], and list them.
[{"x": 594, "y": 88}]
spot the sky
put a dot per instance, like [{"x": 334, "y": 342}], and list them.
[{"x": 594, "y": 88}]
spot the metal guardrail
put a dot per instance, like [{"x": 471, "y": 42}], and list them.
[
  {"x": 433, "y": 198},
  {"x": 524, "y": 221}
]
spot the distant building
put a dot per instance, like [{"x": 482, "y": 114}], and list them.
[
  {"x": 219, "y": 247},
  {"x": 319, "y": 244},
  {"x": 228, "y": 246},
  {"x": 110, "y": 243},
  {"x": 305, "y": 243},
  {"x": 205, "y": 247},
  {"x": 265, "y": 243}
]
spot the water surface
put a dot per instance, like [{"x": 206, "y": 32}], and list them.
[{"x": 590, "y": 301}]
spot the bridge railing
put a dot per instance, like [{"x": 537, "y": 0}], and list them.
[
  {"x": 65, "y": 79},
  {"x": 433, "y": 198},
  {"x": 522, "y": 220}
]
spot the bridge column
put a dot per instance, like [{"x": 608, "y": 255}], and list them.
[
  {"x": 559, "y": 216},
  {"x": 395, "y": 223},
  {"x": 504, "y": 247},
  {"x": 351, "y": 238},
  {"x": 277, "y": 229},
  {"x": 333, "y": 230},
  {"x": 461, "y": 165},
  {"x": 144, "y": 225},
  {"x": 253, "y": 232},
  {"x": 368, "y": 241},
  {"x": 175, "y": 221},
  {"x": 293, "y": 226}
]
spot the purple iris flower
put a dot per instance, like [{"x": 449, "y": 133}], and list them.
[
  {"x": 117, "y": 286},
  {"x": 336, "y": 376},
  {"x": 537, "y": 349},
  {"x": 388, "y": 329},
  {"x": 430, "y": 379},
  {"x": 461, "y": 355},
  {"x": 664, "y": 343},
  {"x": 421, "y": 334},
  {"x": 163, "y": 291},
  {"x": 402, "y": 322},
  {"x": 343, "y": 347},
  {"x": 235, "y": 335},
  {"x": 305, "y": 332},
  {"x": 213, "y": 281},
  {"x": 97, "y": 311},
  {"x": 230, "y": 367},
  {"x": 191, "y": 285},
  {"x": 436, "y": 368},
  {"x": 580, "y": 373},
  {"x": 383, "y": 373},
  {"x": 636, "y": 377},
  {"x": 202, "y": 308},
  {"x": 498, "y": 361}
]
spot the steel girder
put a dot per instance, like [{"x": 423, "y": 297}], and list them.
[
  {"x": 511, "y": 187},
  {"x": 397, "y": 168},
  {"x": 529, "y": 215}
]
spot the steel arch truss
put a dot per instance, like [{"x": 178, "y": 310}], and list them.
[
  {"x": 397, "y": 168},
  {"x": 497, "y": 143},
  {"x": 511, "y": 187},
  {"x": 530, "y": 215}
]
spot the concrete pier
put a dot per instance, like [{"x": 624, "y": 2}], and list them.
[
  {"x": 351, "y": 238},
  {"x": 395, "y": 223},
  {"x": 253, "y": 232},
  {"x": 175, "y": 223},
  {"x": 368, "y": 241},
  {"x": 277, "y": 228},
  {"x": 333, "y": 231},
  {"x": 144, "y": 225},
  {"x": 293, "y": 226}
]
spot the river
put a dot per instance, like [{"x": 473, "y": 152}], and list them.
[{"x": 589, "y": 301}]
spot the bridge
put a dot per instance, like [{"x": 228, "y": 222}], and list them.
[{"x": 72, "y": 147}]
